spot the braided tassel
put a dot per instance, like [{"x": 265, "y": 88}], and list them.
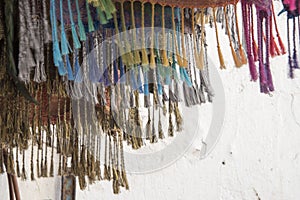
[{"x": 221, "y": 58}]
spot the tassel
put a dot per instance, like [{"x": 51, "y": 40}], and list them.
[
  {"x": 237, "y": 61},
  {"x": 148, "y": 125},
  {"x": 241, "y": 50},
  {"x": 267, "y": 65},
  {"x": 283, "y": 50},
  {"x": 254, "y": 44},
  {"x": 273, "y": 52},
  {"x": 121, "y": 49},
  {"x": 160, "y": 130},
  {"x": 23, "y": 175},
  {"x": 32, "y": 164},
  {"x": 171, "y": 128},
  {"x": 153, "y": 138},
  {"x": 295, "y": 59},
  {"x": 69, "y": 68},
  {"x": 152, "y": 57},
  {"x": 196, "y": 56},
  {"x": 178, "y": 117},
  {"x": 52, "y": 157},
  {"x": 175, "y": 43},
  {"x": 129, "y": 56},
  {"x": 90, "y": 19},
  {"x": 136, "y": 58},
  {"x": 57, "y": 58},
  {"x": 146, "y": 88},
  {"x": 74, "y": 33},
  {"x": 17, "y": 163},
  {"x": 221, "y": 58},
  {"x": 82, "y": 171},
  {"x": 10, "y": 163},
  {"x": 109, "y": 8},
  {"x": 185, "y": 62},
  {"x": 145, "y": 60},
  {"x": 165, "y": 60},
  {"x": 291, "y": 67},
  {"x": 101, "y": 16},
  {"x": 262, "y": 73},
  {"x": 201, "y": 56},
  {"x": 80, "y": 24},
  {"x": 64, "y": 42},
  {"x": 1, "y": 146},
  {"x": 247, "y": 27}
]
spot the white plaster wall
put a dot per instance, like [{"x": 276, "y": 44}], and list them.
[{"x": 259, "y": 146}]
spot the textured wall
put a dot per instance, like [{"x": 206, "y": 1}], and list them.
[{"x": 257, "y": 156}]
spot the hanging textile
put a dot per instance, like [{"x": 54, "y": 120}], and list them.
[{"x": 71, "y": 90}]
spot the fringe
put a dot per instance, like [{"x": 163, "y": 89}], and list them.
[{"x": 221, "y": 58}]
